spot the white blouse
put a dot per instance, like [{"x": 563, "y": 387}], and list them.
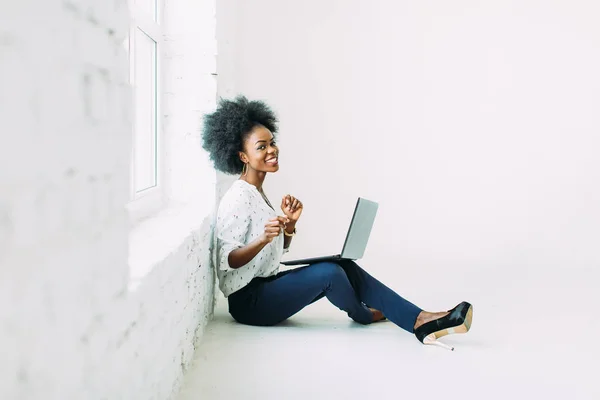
[{"x": 240, "y": 219}]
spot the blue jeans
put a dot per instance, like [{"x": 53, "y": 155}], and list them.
[{"x": 268, "y": 301}]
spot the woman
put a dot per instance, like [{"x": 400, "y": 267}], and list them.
[{"x": 250, "y": 238}]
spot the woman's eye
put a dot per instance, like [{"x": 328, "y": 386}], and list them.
[{"x": 261, "y": 147}]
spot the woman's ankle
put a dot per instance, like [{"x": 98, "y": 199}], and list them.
[
  {"x": 420, "y": 319},
  {"x": 426, "y": 316}
]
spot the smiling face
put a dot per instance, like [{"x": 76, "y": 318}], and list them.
[{"x": 260, "y": 151}]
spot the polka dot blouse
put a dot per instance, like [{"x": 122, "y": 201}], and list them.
[{"x": 240, "y": 219}]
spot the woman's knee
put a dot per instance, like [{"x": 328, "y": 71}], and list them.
[{"x": 329, "y": 271}]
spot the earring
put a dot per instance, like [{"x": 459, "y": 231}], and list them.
[{"x": 245, "y": 169}]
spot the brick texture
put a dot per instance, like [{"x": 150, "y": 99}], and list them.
[{"x": 69, "y": 326}]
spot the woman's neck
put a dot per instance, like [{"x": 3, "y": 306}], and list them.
[{"x": 255, "y": 178}]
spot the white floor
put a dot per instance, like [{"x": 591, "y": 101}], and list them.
[{"x": 528, "y": 341}]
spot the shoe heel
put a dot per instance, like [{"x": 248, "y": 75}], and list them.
[{"x": 431, "y": 340}]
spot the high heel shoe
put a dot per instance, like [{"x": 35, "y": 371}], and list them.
[{"x": 458, "y": 320}]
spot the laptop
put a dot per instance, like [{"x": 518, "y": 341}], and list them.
[{"x": 356, "y": 238}]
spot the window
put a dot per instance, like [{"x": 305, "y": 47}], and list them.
[
  {"x": 172, "y": 51},
  {"x": 144, "y": 49}
]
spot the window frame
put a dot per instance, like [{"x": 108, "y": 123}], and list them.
[{"x": 149, "y": 201}]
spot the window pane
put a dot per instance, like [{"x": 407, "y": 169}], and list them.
[
  {"x": 145, "y": 137},
  {"x": 126, "y": 43},
  {"x": 148, "y": 6}
]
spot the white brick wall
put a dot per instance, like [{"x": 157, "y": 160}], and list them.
[
  {"x": 165, "y": 318},
  {"x": 69, "y": 326}
]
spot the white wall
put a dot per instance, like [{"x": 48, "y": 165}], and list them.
[
  {"x": 73, "y": 324},
  {"x": 474, "y": 124},
  {"x": 190, "y": 92}
]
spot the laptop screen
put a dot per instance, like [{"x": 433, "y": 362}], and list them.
[{"x": 360, "y": 229}]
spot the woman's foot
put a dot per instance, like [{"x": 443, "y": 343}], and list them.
[
  {"x": 377, "y": 315},
  {"x": 425, "y": 317},
  {"x": 432, "y": 326}
]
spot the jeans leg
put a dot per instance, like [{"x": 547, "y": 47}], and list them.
[
  {"x": 280, "y": 298},
  {"x": 375, "y": 294}
]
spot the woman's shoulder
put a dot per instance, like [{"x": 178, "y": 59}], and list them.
[
  {"x": 238, "y": 189},
  {"x": 238, "y": 195}
]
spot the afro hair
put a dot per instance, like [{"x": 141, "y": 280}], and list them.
[{"x": 225, "y": 130}]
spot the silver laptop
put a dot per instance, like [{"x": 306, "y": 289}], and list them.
[{"x": 356, "y": 238}]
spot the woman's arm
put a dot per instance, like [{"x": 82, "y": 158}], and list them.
[
  {"x": 243, "y": 255},
  {"x": 289, "y": 228},
  {"x": 292, "y": 208}
]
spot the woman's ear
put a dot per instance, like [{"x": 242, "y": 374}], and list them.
[{"x": 243, "y": 157}]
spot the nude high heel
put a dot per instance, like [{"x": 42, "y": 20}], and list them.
[{"x": 458, "y": 320}]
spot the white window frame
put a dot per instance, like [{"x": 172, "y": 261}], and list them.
[{"x": 148, "y": 201}]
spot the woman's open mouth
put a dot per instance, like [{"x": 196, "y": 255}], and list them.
[{"x": 272, "y": 161}]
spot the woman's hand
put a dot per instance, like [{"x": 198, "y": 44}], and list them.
[
  {"x": 292, "y": 207},
  {"x": 243, "y": 255},
  {"x": 273, "y": 228}
]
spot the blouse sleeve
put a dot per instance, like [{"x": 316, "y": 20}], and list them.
[{"x": 232, "y": 226}]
